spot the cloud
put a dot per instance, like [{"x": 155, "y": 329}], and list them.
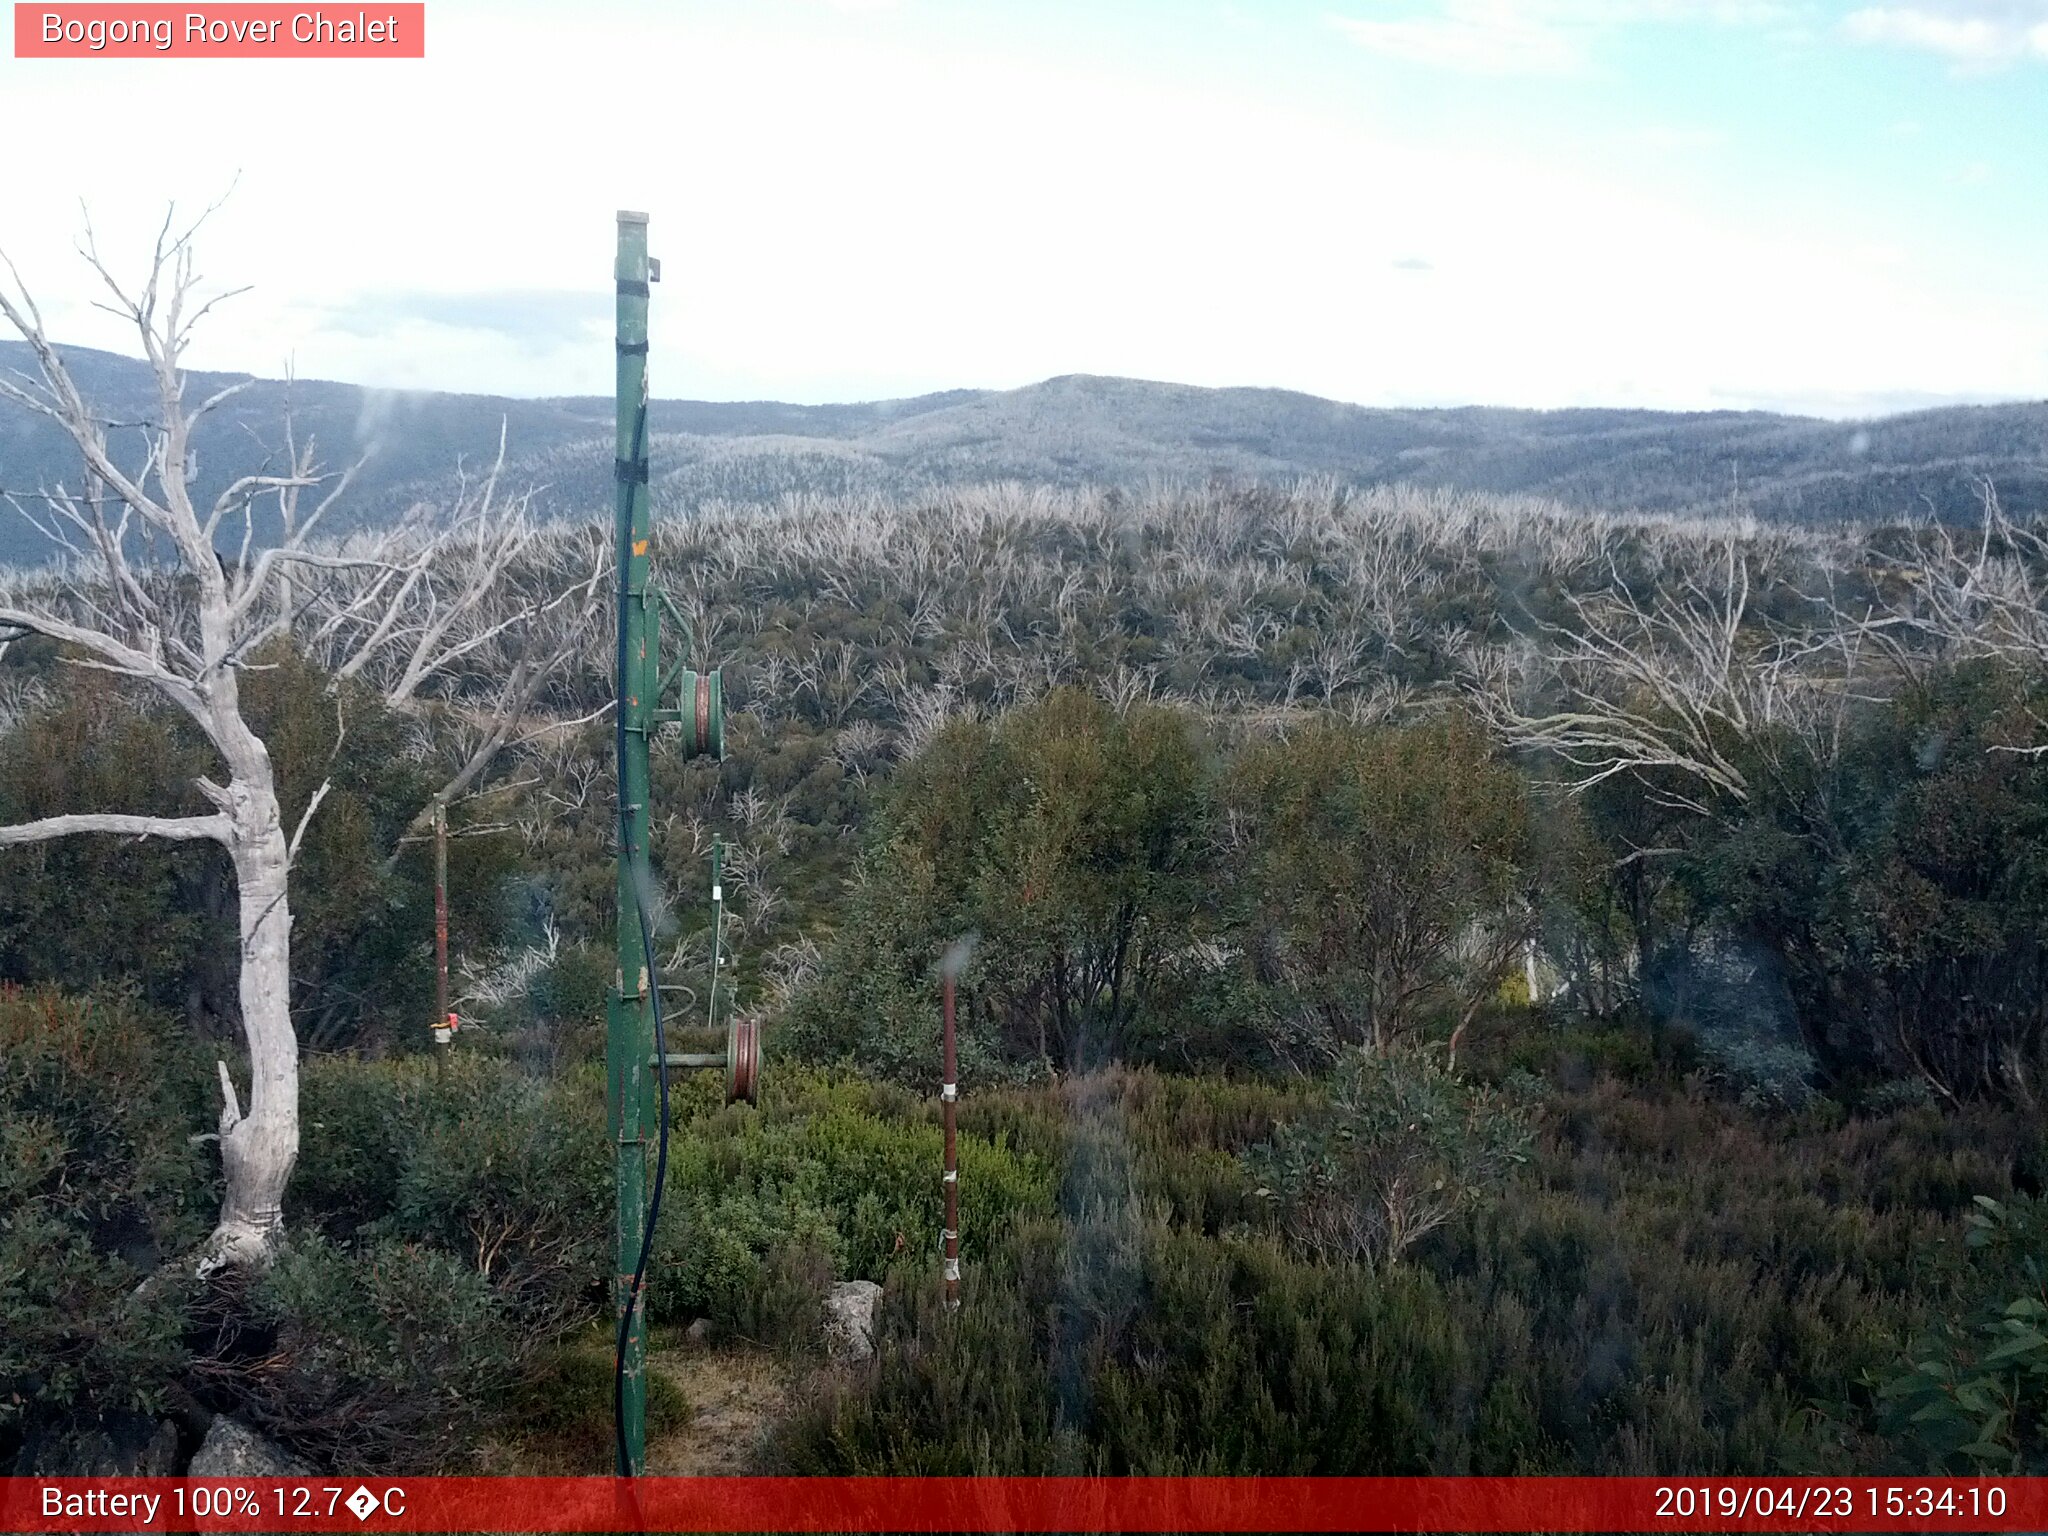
[
  {"x": 1675, "y": 139},
  {"x": 1414, "y": 264},
  {"x": 534, "y": 317},
  {"x": 1553, "y": 283},
  {"x": 1530, "y": 37},
  {"x": 1979, "y": 33},
  {"x": 1472, "y": 37},
  {"x": 1846, "y": 405}
]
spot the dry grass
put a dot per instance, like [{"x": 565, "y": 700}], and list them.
[{"x": 736, "y": 1397}]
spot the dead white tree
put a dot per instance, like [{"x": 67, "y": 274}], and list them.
[
  {"x": 1678, "y": 683},
  {"x": 1704, "y": 701},
  {"x": 1982, "y": 596},
  {"x": 483, "y": 593},
  {"x": 151, "y": 594}
]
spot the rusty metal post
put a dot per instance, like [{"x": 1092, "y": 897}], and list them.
[
  {"x": 949, "y": 1096},
  {"x": 443, "y": 1024}
]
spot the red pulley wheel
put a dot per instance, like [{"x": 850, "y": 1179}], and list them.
[{"x": 743, "y": 1062}]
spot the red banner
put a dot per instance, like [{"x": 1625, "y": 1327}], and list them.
[
  {"x": 100, "y": 31},
  {"x": 1024, "y": 1504}
]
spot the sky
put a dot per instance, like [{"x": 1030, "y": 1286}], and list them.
[{"x": 1838, "y": 209}]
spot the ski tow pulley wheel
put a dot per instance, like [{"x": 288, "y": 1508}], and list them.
[
  {"x": 702, "y": 713},
  {"x": 743, "y": 1062}
]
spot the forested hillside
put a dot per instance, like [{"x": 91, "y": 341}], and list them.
[
  {"x": 1070, "y": 433},
  {"x": 1458, "y": 984}
]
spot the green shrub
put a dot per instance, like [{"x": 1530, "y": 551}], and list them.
[
  {"x": 1386, "y": 879},
  {"x": 1402, "y": 1147},
  {"x": 160, "y": 916},
  {"x": 1764, "y": 1073},
  {"x": 567, "y": 1399},
  {"x": 100, "y": 1183},
  {"x": 391, "y": 1357},
  {"x": 1119, "y": 1347},
  {"x": 353, "y": 1139},
  {"x": 1898, "y": 886},
  {"x": 1074, "y": 840},
  {"x": 1974, "y": 1395},
  {"x": 83, "y": 912},
  {"x": 573, "y": 989},
  {"x": 75, "y": 1335},
  {"x": 1671, "y": 1282},
  {"x": 832, "y": 1176},
  {"x": 470, "y": 1153},
  {"x": 1574, "y": 1052},
  {"x": 1896, "y": 1093},
  {"x": 510, "y": 1173}
]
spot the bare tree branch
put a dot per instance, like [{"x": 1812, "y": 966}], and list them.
[{"x": 184, "y": 829}]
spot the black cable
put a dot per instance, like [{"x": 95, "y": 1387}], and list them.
[
  {"x": 660, "y": 1174},
  {"x": 642, "y": 900}
]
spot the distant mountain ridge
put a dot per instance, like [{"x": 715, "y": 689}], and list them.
[{"x": 1072, "y": 430}]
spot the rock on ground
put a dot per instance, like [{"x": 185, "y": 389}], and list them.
[
  {"x": 850, "y": 1319},
  {"x": 233, "y": 1449}
]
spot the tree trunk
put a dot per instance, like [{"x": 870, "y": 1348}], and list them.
[{"x": 258, "y": 1148}]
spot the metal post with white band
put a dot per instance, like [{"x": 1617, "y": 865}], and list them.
[{"x": 949, "y": 1096}]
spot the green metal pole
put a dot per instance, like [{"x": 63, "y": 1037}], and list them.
[
  {"x": 630, "y": 1032},
  {"x": 714, "y": 1012}
]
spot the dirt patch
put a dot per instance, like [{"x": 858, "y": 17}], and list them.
[{"x": 735, "y": 1395}]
